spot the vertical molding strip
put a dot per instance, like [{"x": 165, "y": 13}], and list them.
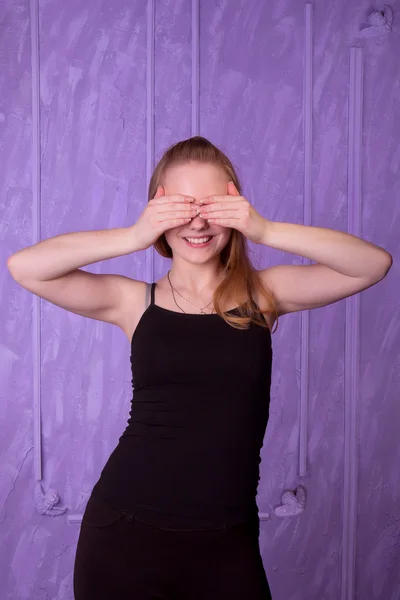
[
  {"x": 45, "y": 501},
  {"x": 150, "y": 108},
  {"x": 305, "y": 315},
  {"x": 195, "y": 67},
  {"x": 36, "y": 193},
  {"x": 352, "y": 334}
]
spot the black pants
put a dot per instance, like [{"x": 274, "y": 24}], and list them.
[{"x": 119, "y": 557}]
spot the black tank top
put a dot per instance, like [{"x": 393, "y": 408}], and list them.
[{"x": 190, "y": 454}]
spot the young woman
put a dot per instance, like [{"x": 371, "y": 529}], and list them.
[{"x": 173, "y": 514}]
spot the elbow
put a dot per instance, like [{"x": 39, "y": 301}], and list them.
[
  {"x": 12, "y": 267},
  {"x": 387, "y": 265},
  {"x": 389, "y": 261},
  {"x": 9, "y": 263}
]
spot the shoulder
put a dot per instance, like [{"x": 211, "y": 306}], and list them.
[
  {"x": 134, "y": 295},
  {"x": 267, "y": 279},
  {"x": 131, "y": 288}
]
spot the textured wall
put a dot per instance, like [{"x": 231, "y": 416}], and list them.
[{"x": 97, "y": 113}]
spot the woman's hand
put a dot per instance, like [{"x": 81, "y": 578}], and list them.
[
  {"x": 234, "y": 211},
  {"x": 162, "y": 213}
]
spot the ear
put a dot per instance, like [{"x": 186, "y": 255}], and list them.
[
  {"x": 159, "y": 192},
  {"x": 232, "y": 191}
]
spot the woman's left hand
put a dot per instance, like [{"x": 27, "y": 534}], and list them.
[{"x": 234, "y": 211}]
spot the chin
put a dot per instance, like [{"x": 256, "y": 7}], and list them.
[{"x": 196, "y": 259}]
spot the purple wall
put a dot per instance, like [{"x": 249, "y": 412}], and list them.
[{"x": 107, "y": 113}]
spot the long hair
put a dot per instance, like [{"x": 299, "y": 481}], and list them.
[{"x": 241, "y": 278}]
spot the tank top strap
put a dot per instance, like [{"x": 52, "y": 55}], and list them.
[
  {"x": 149, "y": 294},
  {"x": 153, "y": 287}
]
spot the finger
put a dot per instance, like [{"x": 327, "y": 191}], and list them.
[
  {"x": 184, "y": 210},
  {"x": 179, "y": 198},
  {"x": 184, "y": 214},
  {"x": 175, "y": 223},
  {"x": 220, "y": 198},
  {"x": 219, "y": 206},
  {"x": 164, "y": 206},
  {"x": 232, "y": 223},
  {"x": 221, "y": 214}
]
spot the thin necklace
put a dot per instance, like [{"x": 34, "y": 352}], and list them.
[{"x": 202, "y": 312}]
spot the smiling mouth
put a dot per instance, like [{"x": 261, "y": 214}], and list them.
[{"x": 198, "y": 241}]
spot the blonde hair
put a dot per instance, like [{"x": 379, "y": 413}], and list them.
[{"x": 241, "y": 278}]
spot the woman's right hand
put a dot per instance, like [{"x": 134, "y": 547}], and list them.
[{"x": 162, "y": 213}]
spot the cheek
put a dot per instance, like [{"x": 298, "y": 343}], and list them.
[
  {"x": 225, "y": 233},
  {"x": 168, "y": 239},
  {"x": 170, "y": 234},
  {"x": 224, "y": 237}
]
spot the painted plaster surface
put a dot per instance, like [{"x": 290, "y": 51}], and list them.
[{"x": 94, "y": 152}]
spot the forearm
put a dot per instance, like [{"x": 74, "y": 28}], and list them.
[
  {"x": 63, "y": 253},
  {"x": 340, "y": 251}
]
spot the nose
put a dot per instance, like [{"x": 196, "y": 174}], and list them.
[{"x": 198, "y": 223}]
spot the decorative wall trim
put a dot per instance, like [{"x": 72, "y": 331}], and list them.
[
  {"x": 352, "y": 334},
  {"x": 294, "y": 503},
  {"x": 379, "y": 24},
  {"x": 45, "y": 501},
  {"x": 195, "y": 68},
  {"x": 307, "y": 209},
  {"x": 150, "y": 109}
]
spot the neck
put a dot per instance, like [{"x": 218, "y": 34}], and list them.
[{"x": 195, "y": 279}]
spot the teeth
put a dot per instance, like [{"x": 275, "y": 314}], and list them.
[{"x": 198, "y": 241}]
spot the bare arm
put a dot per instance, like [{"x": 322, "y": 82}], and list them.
[
  {"x": 59, "y": 255},
  {"x": 50, "y": 269}
]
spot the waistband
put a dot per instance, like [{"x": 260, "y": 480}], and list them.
[{"x": 163, "y": 522}]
